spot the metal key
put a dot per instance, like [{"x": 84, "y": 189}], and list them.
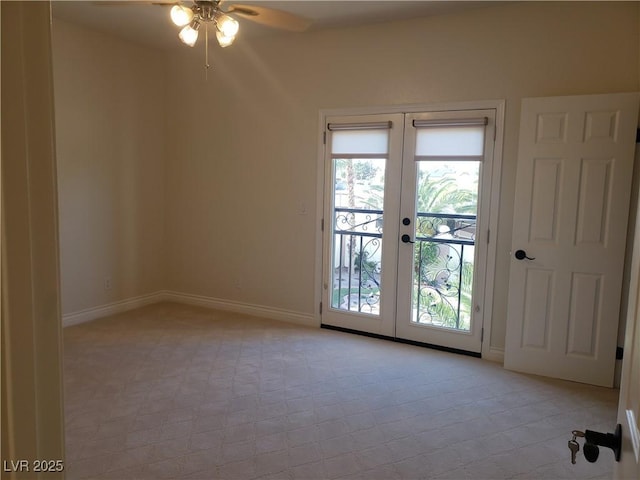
[
  {"x": 573, "y": 445},
  {"x": 575, "y": 448}
]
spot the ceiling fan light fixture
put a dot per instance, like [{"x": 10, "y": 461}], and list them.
[
  {"x": 227, "y": 26},
  {"x": 189, "y": 34},
  {"x": 223, "y": 40},
  {"x": 181, "y": 16}
]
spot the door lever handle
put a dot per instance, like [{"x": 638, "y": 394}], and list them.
[
  {"x": 406, "y": 239},
  {"x": 521, "y": 255}
]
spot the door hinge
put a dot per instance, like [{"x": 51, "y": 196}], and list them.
[
  {"x": 482, "y": 335},
  {"x": 320, "y": 308},
  {"x": 324, "y": 138},
  {"x": 619, "y": 353},
  {"x": 488, "y": 236},
  {"x": 322, "y": 225}
]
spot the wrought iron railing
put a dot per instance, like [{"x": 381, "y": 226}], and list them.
[
  {"x": 357, "y": 259},
  {"x": 443, "y": 260},
  {"x": 443, "y": 265}
]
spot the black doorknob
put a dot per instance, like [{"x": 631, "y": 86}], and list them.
[
  {"x": 521, "y": 255},
  {"x": 591, "y": 452},
  {"x": 406, "y": 239},
  {"x": 608, "y": 440}
]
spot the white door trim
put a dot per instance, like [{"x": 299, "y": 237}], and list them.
[{"x": 629, "y": 464}]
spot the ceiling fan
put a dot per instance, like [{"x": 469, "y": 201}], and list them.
[
  {"x": 192, "y": 14},
  {"x": 200, "y": 12}
]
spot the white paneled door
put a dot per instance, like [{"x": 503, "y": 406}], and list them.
[
  {"x": 575, "y": 164},
  {"x": 406, "y": 225}
]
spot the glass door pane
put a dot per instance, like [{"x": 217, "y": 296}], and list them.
[
  {"x": 358, "y": 200},
  {"x": 444, "y": 250}
]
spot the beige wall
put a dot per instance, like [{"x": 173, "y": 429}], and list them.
[
  {"x": 110, "y": 117},
  {"x": 240, "y": 149},
  {"x": 248, "y": 156}
]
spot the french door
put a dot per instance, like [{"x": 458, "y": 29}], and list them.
[{"x": 406, "y": 225}]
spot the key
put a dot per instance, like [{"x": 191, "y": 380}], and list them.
[{"x": 575, "y": 448}]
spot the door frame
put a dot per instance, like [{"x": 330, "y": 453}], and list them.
[
  {"x": 494, "y": 198},
  {"x": 629, "y": 463}
]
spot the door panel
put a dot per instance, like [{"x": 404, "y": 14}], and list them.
[
  {"x": 572, "y": 200},
  {"x": 537, "y": 307},
  {"x": 585, "y": 314},
  {"x": 547, "y": 175}
]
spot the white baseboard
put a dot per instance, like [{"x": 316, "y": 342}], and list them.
[
  {"x": 110, "y": 309},
  {"x": 494, "y": 355},
  {"x": 188, "y": 299},
  {"x": 239, "y": 307}
]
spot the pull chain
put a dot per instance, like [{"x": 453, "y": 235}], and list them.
[{"x": 206, "y": 51}]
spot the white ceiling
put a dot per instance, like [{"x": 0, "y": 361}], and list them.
[{"x": 150, "y": 24}]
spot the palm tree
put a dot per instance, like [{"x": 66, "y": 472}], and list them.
[{"x": 442, "y": 194}]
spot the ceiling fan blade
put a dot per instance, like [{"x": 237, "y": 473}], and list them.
[
  {"x": 119, "y": 3},
  {"x": 270, "y": 17}
]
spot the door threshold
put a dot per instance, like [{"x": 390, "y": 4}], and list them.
[{"x": 403, "y": 340}]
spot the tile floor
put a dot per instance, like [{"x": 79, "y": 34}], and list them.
[{"x": 173, "y": 391}]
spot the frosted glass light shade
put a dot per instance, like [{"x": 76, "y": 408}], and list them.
[
  {"x": 227, "y": 26},
  {"x": 223, "y": 40},
  {"x": 189, "y": 34},
  {"x": 181, "y": 16}
]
